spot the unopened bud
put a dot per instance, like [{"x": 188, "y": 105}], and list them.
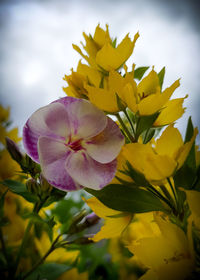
[
  {"x": 86, "y": 239},
  {"x": 74, "y": 227},
  {"x": 32, "y": 186},
  {"x": 91, "y": 219},
  {"x": 14, "y": 150},
  {"x": 45, "y": 186}
]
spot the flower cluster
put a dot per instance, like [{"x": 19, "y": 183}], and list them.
[{"x": 114, "y": 137}]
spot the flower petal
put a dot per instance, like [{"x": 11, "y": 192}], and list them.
[
  {"x": 85, "y": 119},
  {"x": 105, "y": 146},
  {"x": 88, "y": 172},
  {"x": 169, "y": 142},
  {"x": 52, "y": 155},
  {"x": 51, "y": 121},
  {"x": 173, "y": 111}
]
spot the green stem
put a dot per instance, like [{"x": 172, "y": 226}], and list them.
[
  {"x": 128, "y": 118},
  {"x": 3, "y": 247},
  {"x": 131, "y": 138},
  {"x": 174, "y": 193},
  {"x": 36, "y": 209},
  {"x": 51, "y": 249},
  {"x": 28, "y": 228},
  {"x": 159, "y": 195}
]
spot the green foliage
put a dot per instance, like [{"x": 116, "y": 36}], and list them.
[
  {"x": 145, "y": 123},
  {"x": 50, "y": 271},
  {"x": 20, "y": 189},
  {"x": 188, "y": 176},
  {"x": 139, "y": 72},
  {"x": 127, "y": 199}
]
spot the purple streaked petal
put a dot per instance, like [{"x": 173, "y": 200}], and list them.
[
  {"x": 86, "y": 120},
  {"x": 51, "y": 120},
  {"x": 52, "y": 155},
  {"x": 88, "y": 172},
  {"x": 106, "y": 146}
]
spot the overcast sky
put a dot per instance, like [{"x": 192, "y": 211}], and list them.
[{"x": 36, "y": 46}]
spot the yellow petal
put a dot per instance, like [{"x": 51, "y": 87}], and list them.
[
  {"x": 169, "y": 142},
  {"x": 125, "y": 48},
  {"x": 101, "y": 36},
  {"x": 110, "y": 58},
  {"x": 167, "y": 93},
  {"x": 129, "y": 96},
  {"x": 174, "y": 235},
  {"x": 91, "y": 74},
  {"x": 158, "y": 167},
  {"x": 149, "y": 85},
  {"x": 183, "y": 152},
  {"x": 73, "y": 274},
  {"x": 135, "y": 153},
  {"x": 100, "y": 209},
  {"x": 193, "y": 199},
  {"x": 107, "y": 58},
  {"x": 112, "y": 228},
  {"x": 176, "y": 270},
  {"x": 142, "y": 158},
  {"x": 150, "y": 104},
  {"x": 103, "y": 99},
  {"x": 90, "y": 47},
  {"x": 173, "y": 110}
]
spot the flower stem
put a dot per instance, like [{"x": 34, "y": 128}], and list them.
[
  {"x": 28, "y": 228},
  {"x": 131, "y": 138},
  {"x": 128, "y": 118},
  {"x": 51, "y": 249}
]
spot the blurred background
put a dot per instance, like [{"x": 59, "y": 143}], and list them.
[{"x": 36, "y": 46}]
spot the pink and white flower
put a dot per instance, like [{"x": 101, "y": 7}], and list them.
[{"x": 75, "y": 143}]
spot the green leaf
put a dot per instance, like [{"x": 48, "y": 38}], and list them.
[
  {"x": 127, "y": 199},
  {"x": 138, "y": 178},
  {"x": 114, "y": 42},
  {"x": 161, "y": 76},
  {"x": 139, "y": 72},
  {"x": 144, "y": 123},
  {"x": 2, "y": 204},
  {"x": 20, "y": 189},
  {"x": 148, "y": 135},
  {"x": 189, "y": 131},
  {"x": 50, "y": 271}
]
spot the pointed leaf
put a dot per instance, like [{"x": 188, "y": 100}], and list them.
[
  {"x": 161, "y": 76},
  {"x": 20, "y": 189},
  {"x": 139, "y": 72},
  {"x": 127, "y": 199}
]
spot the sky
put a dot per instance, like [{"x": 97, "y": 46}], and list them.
[{"x": 36, "y": 46}]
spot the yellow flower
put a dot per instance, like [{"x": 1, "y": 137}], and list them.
[
  {"x": 77, "y": 80},
  {"x": 101, "y": 54},
  {"x": 168, "y": 255},
  {"x": 104, "y": 96},
  {"x": 4, "y": 114},
  {"x": 113, "y": 226},
  {"x": 8, "y": 167},
  {"x": 73, "y": 274},
  {"x": 162, "y": 160},
  {"x": 148, "y": 99}
]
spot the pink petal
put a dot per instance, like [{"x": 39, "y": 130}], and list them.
[
  {"x": 106, "y": 146},
  {"x": 52, "y": 155},
  {"x": 51, "y": 120},
  {"x": 86, "y": 120},
  {"x": 88, "y": 172}
]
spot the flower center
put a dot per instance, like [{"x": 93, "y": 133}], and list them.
[{"x": 76, "y": 145}]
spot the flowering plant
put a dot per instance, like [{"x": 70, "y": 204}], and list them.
[{"x": 114, "y": 137}]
